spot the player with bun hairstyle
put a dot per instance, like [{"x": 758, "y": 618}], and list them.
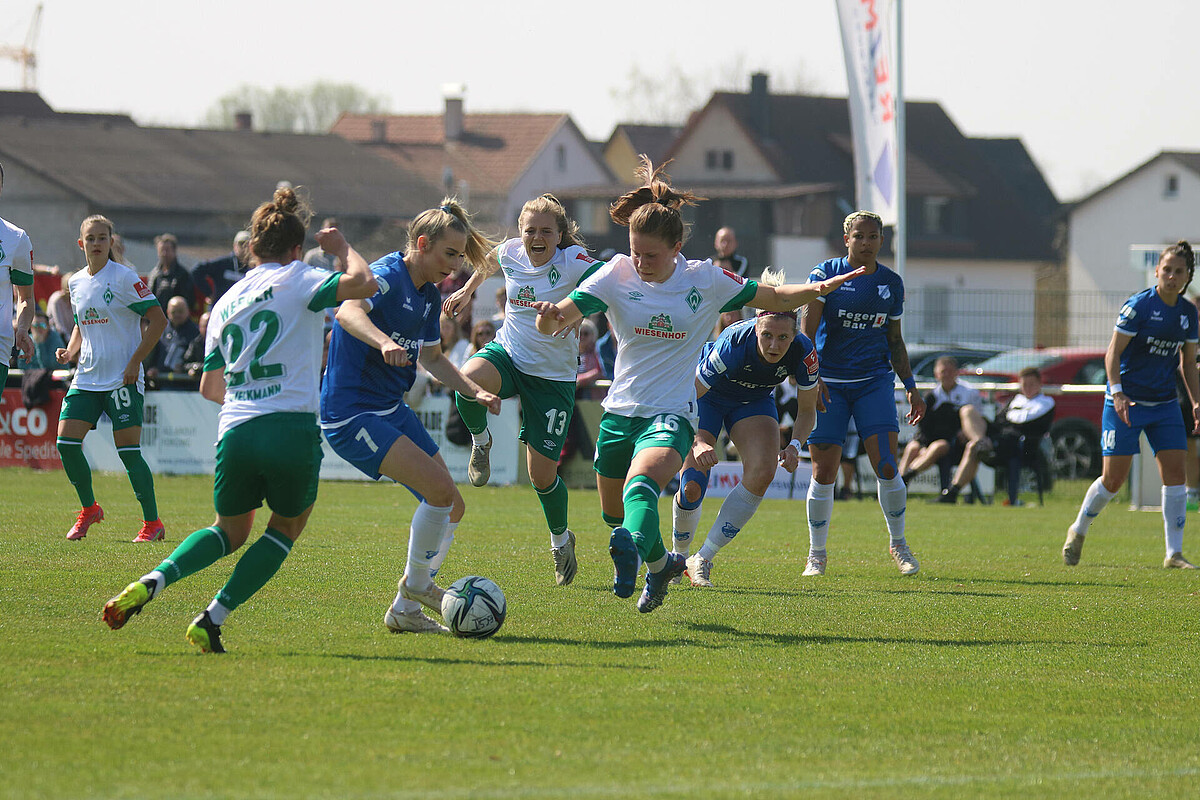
[
  {"x": 735, "y": 382},
  {"x": 857, "y": 333},
  {"x": 662, "y": 307},
  {"x": 110, "y": 343},
  {"x": 373, "y": 353},
  {"x": 1155, "y": 336},
  {"x": 545, "y": 263},
  {"x": 262, "y": 364}
]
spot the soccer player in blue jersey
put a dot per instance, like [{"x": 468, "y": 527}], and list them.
[
  {"x": 1155, "y": 336},
  {"x": 372, "y": 362},
  {"x": 857, "y": 332},
  {"x": 735, "y": 382}
]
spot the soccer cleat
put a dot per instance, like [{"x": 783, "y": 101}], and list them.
[
  {"x": 1177, "y": 561},
  {"x": 625, "y": 562},
  {"x": 656, "y": 583},
  {"x": 413, "y": 621},
  {"x": 816, "y": 565},
  {"x": 87, "y": 518},
  {"x": 205, "y": 634},
  {"x": 565, "y": 565},
  {"x": 1072, "y": 548},
  {"x": 430, "y": 598},
  {"x": 129, "y": 602},
  {"x": 906, "y": 562},
  {"x": 479, "y": 468},
  {"x": 151, "y": 532},
  {"x": 698, "y": 570}
]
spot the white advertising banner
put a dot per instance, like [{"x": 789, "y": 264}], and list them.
[
  {"x": 726, "y": 475},
  {"x": 179, "y": 437},
  {"x": 871, "y": 75}
]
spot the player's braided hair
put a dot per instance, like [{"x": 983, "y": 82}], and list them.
[
  {"x": 1184, "y": 251},
  {"x": 654, "y": 208},
  {"x": 433, "y": 222},
  {"x": 279, "y": 226}
]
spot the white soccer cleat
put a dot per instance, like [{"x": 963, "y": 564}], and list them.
[
  {"x": 479, "y": 468},
  {"x": 1177, "y": 561},
  {"x": 814, "y": 566},
  {"x": 698, "y": 570},
  {"x": 1073, "y": 548},
  {"x": 906, "y": 562},
  {"x": 565, "y": 565},
  {"x": 413, "y": 621},
  {"x": 430, "y": 598}
]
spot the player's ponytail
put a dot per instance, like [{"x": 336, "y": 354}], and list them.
[
  {"x": 450, "y": 215},
  {"x": 653, "y": 209},
  {"x": 279, "y": 226}
]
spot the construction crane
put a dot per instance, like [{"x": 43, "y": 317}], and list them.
[{"x": 25, "y": 54}]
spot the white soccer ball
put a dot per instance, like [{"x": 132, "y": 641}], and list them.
[{"x": 474, "y": 607}]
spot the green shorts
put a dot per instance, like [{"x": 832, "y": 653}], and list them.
[
  {"x": 546, "y": 405},
  {"x": 622, "y": 438},
  {"x": 276, "y": 457},
  {"x": 123, "y": 406}
]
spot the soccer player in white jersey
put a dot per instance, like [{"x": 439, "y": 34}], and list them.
[
  {"x": 16, "y": 274},
  {"x": 662, "y": 308},
  {"x": 262, "y": 364},
  {"x": 110, "y": 342},
  {"x": 544, "y": 264}
]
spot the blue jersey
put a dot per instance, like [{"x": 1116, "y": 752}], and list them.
[
  {"x": 732, "y": 368},
  {"x": 356, "y": 378},
  {"x": 852, "y": 336},
  {"x": 1159, "y": 331}
]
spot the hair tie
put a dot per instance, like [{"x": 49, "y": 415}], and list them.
[
  {"x": 789, "y": 314},
  {"x": 446, "y": 209}
]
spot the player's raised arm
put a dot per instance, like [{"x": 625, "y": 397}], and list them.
[
  {"x": 791, "y": 296},
  {"x": 555, "y": 317}
]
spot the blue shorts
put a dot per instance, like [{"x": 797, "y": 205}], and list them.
[
  {"x": 1162, "y": 423},
  {"x": 872, "y": 403},
  {"x": 367, "y": 438},
  {"x": 718, "y": 410}
]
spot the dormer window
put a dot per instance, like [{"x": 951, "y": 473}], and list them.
[{"x": 1171, "y": 188}]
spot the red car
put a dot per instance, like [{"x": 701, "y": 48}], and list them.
[{"x": 1074, "y": 377}]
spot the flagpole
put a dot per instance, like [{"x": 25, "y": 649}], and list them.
[{"x": 901, "y": 151}]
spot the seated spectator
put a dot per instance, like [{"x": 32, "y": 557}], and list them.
[
  {"x": 953, "y": 425},
  {"x": 1017, "y": 432},
  {"x": 58, "y": 308},
  {"x": 180, "y": 332},
  {"x": 46, "y": 341},
  {"x": 317, "y": 257},
  {"x": 606, "y": 346},
  {"x": 590, "y": 369},
  {"x": 193, "y": 357},
  {"x": 501, "y": 307},
  {"x": 213, "y": 278},
  {"x": 482, "y": 333},
  {"x": 168, "y": 278}
]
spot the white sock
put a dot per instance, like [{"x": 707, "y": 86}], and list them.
[
  {"x": 481, "y": 438},
  {"x": 893, "y": 499},
  {"x": 820, "y": 510},
  {"x": 217, "y": 613},
  {"x": 435, "y": 563},
  {"x": 683, "y": 526},
  {"x": 402, "y": 605},
  {"x": 560, "y": 539},
  {"x": 424, "y": 542},
  {"x": 1174, "y": 507},
  {"x": 1094, "y": 501},
  {"x": 735, "y": 512},
  {"x": 160, "y": 581}
]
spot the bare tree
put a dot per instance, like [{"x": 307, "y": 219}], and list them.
[{"x": 309, "y": 109}]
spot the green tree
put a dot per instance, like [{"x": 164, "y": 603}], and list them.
[{"x": 308, "y": 109}]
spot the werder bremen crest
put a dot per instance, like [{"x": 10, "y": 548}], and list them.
[
  {"x": 554, "y": 275},
  {"x": 108, "y": 294},
  {"x": 694, "y": 299}
]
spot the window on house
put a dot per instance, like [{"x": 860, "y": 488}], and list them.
[
  {"x": 1172, "y": 187},
  {"x": 711, "y": 158},
  {"x": 937, "y": 308},
  {"x": 727, "y": 160},
  {"x": 560, "y": 157},
  {"x": 935, "y": 215}
]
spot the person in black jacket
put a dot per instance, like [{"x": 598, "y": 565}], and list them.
[
  {"x": 213, "y": 278},
  {"x": 168, "y": 278}
]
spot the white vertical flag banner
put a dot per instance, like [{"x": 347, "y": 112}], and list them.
[{"x": 870, "y": 73}]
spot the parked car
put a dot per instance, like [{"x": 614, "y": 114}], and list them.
[
  {"x": 1075, "y": 435},
  {"x": 922, "y": 356}
]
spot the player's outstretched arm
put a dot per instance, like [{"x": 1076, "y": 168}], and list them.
[
  {"x": 791, "y": 296},
  {"x": 442, "y": 368},
  {"x": 554, "y": 317}
]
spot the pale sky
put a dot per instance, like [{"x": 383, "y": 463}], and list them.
[{"x": 1092, "y": 91}]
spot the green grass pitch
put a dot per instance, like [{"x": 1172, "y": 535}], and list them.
[{"x": 996, "y": 672}]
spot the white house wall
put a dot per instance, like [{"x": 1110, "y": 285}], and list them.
[
  {"x": 986, "y": 301},
  {"x": 543, "y": 174},
  {"x": 48, "y": 213},
  {"x": 719, "y": 131}
]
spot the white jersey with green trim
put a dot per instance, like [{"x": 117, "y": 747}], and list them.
[
  {"x": 268, "y": 333},
  {"x": 108, "y": 312},
  {"x": 549, "y": 357},
  {"x": 660, "y": 329},
  {"x": 16, "y": 269}
]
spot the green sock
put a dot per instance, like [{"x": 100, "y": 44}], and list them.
[
  {"x": 76, "y": 466},
  {"x": 554, "y": 505},
  {"x": 256, "y": 566},
  {"x": 611, "y": 521},
  {"x": 142, "y": 480},
  {"x": 473, "y": 414},
  {"x": 203, "y": 548},
  {"x": 641, "y": 517}
]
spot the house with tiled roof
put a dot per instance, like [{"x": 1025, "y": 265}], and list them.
[
  {"x": 494, "y": 162},
  {"x": 201, "y": 185},
  {"x": 1115, "y": 234},
  {"x": 629, "y": 140}
]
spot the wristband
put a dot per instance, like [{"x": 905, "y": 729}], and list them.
[
  {"x": 910, "y": 383},
  {"x": 794, "y": 443},
  {"x": 1116, "y": 387}
]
